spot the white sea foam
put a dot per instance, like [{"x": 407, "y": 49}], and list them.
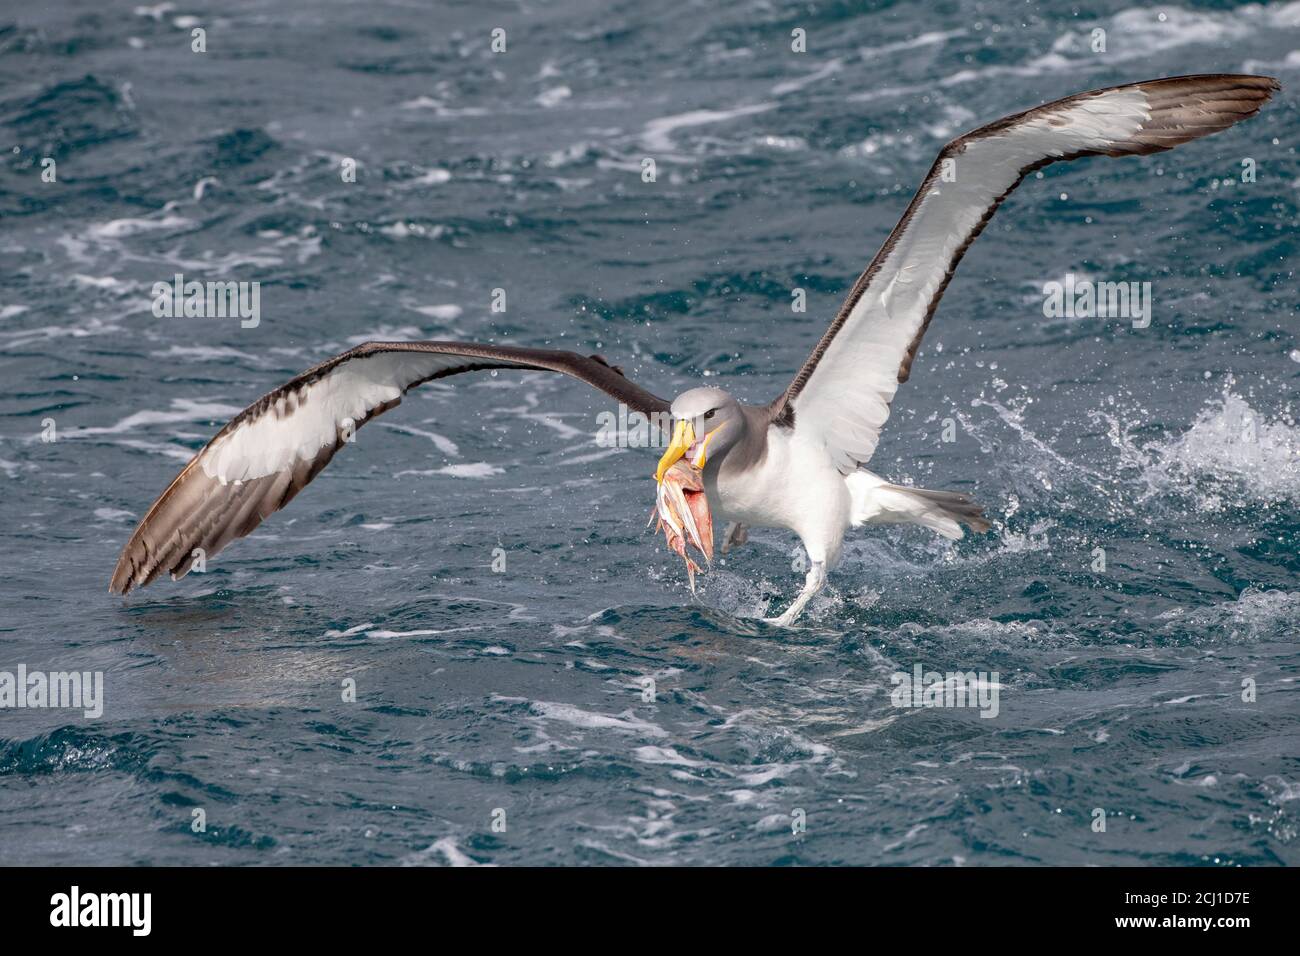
[
  {"x": 182, "y": 410},
  {"x": 385, "y": 333},
  {"x": 213, "y": 266},
  {"x": 444, "y": 312},
  {"x": 422, "y": 632},
  {"x": 626, "y": 722},
  {"x": 177, "y": 452},
  {"x": 403, "y": 230},
  {"x": 1289, "y": 62},
  {"x": 445, "y": 848},
  {"x": 121, "y": 228},
  {"x": 104, "y": 283},
  {"x": 784, "y": 144},
  {"x": 1145, "y": 32},
  {"x": 553, "y": 96},
  {"x": 440, "y": 108},
  {"x": 356, "y": 629},
  {"x": 477, "y": 469},
  {"x": 431, "y": 177},
  {"x": 441, "y": 442},
  {"x": 155, "y": 12},
  {"x": 931, "y": 38},
  {"x": 571, "y": 460},
  {"x": 657, "y": 134},
  {"x": 87, "y": 327},
  {"x": 664, "y": 755},
  {"x": 547, "y": 419},
  {"x": 829, "y": 68},
  {"x": 1256, "y": 613},
  {"x": 206, "y": 353},
  {"x": 1231, "y": 454}
]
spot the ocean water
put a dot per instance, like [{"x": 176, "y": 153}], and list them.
[{"x": 505, "y": 716}]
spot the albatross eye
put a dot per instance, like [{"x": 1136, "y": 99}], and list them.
[{"x": 709, "y": 414}]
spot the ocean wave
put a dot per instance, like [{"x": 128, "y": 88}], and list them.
[
  {"x": 1256, "y": 614},
  {"x": 1230, "y": 456}
]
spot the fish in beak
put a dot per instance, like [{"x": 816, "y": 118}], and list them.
[
  {"x": 684, "y": 444},
  {"x": 683, "y": 512}
]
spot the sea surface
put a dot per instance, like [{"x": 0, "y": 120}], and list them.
[{"x": 533, "y": 681}]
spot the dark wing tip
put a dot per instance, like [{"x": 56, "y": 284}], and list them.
[
  {"x": 1240, "y": 93},
  {"x": 1184, "y": 108},
  {"x": 130, "y": 572},
  {"x": 123, "y": 578},
  {"x": 1256, "y": 80}
]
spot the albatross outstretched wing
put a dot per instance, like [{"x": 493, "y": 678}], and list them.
[
  {"x": 842, "y": 394},
  {"x": 272, "y": 449}
]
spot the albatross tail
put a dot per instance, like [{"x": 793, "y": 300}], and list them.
[{"x": 876, "y": 501}]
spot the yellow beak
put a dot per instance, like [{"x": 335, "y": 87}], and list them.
[{"x": 683, "y": 438}]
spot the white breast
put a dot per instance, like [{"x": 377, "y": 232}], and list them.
[{"x": 795, "y": 487}]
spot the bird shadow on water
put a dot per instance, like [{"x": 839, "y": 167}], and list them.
[
  {"x": 699, "y": 632},
  {"x": 197, "y": 615},
  {"x": 232, "y": 641}
]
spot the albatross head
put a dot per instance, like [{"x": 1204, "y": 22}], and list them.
[{"x": 707, "y": 422}]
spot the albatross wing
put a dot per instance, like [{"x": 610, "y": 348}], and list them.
[
  {"x": 842, "y": 394},
  {"x": 272, "y": 449}
]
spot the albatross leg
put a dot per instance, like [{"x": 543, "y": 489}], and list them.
[
  {"x": 812, "y": 584},
  {"x": 735, "y": 535}
]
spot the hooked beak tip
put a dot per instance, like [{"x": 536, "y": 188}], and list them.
[{"x": 683, "y": 438}]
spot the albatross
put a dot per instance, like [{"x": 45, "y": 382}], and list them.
[{"x": 797, "y": 462}]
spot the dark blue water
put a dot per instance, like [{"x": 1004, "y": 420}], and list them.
[{"x": 1175, "y": 448}]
